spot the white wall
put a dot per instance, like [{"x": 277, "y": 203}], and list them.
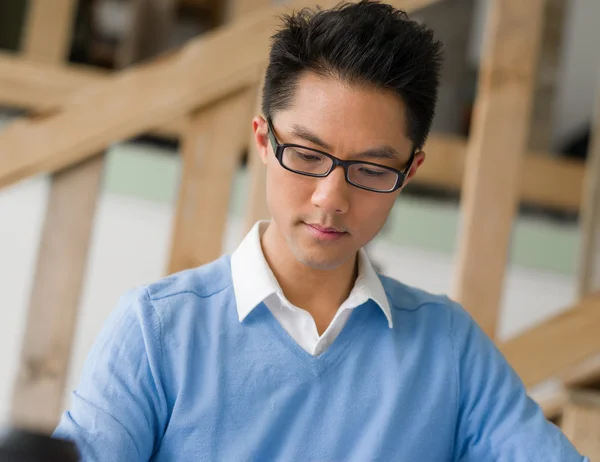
[{"x": 130, "y": 245}]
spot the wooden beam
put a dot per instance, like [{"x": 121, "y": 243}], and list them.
[
  {"x": 583, "y": 374},
  {"x": 62, "y": 258},
  {"x": 495, "y": 150},
  {"x": 147, "y": 96},
  {"x": 445, "y": 166},
  {"x": 213, "y": 138},
  {"x": 589, "y": 252},
  {"x": 27, "y": 84},
  {"x": 580, "y": 422},
  {"x": 39, "y": 387},
  {"x": 48, "y": 30},
  {"x": 556, "y": 345},
  {"x": 44, "y": 89},
  {"x": 215, "y": 135},
  {"x": 586, "y": 373}
]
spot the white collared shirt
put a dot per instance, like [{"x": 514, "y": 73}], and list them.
[{"x": 254, "y": 282}]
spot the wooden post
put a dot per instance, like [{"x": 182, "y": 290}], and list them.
[
  {"x": 212, "y": 150},
  {"x": 48, "y": 28},
  {"x": 52, "y": 315},
  {"x": 581, "y": 422},
  {"x": 496, "y": 147},
  {"x": 589, "y": 253}
]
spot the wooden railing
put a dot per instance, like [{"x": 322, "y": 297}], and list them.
[{"x": 204, "y": 94}]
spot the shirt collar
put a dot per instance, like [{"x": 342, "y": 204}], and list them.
[{"x": 253, "y": 280}]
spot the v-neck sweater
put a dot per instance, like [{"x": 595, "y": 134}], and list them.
[{"x": 175, "y": 376}]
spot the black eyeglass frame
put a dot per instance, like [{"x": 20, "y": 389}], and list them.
[{"x": 278, "y": 148}]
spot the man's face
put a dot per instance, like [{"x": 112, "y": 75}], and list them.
[{"x": 345, "y": 121}]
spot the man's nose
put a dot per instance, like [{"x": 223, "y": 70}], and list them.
[{"x": 331, "y": 192}]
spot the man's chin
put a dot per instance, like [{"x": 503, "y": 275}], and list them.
[{"x": 320, "y": 261}]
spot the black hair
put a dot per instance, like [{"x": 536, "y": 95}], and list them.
[{"x": 365, "y": 43}]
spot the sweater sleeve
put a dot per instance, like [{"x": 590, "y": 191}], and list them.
[
  {"x": 497, "y": 419},
  {"x": 118, "y": 410}
]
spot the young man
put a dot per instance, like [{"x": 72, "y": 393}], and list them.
[{"x": 293, "y": 348}]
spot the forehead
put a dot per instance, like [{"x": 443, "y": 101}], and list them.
[{"x": 347, "y": 116}]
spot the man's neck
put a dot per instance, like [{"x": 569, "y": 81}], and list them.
[{"x": 320, "y": 292}]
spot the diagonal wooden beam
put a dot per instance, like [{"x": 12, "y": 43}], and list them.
[
  {"x": 147, "y": 96},
  {"x": 557, "y": 345},
  {"x": 44, "y": 89},
  {"x": 496, "y": 147},
  {"x": 27, "y": 84}
]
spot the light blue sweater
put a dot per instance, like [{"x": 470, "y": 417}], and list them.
[{"x": 175, "y": 376}]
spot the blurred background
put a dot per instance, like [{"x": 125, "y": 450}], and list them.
[{"x": 132, "y": 225}]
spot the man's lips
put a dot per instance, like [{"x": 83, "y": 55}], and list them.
[{"x": 325, "y": 229}]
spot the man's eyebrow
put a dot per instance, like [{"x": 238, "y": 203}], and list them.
[
  {"x": 304, "y": 133},
  {"x": 383, "y": 152}
]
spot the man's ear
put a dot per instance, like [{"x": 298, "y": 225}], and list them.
[
  {"x": 416, "y": 164},
  {"x": 261, "y": 138}
]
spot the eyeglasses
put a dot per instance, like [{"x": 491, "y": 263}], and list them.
[{"x": 312, "y": 162}]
